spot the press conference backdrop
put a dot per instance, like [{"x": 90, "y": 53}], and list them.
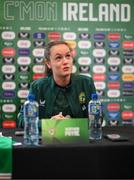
[{"x": 101, "y": 34}]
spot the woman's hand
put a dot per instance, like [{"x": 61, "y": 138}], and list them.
[{"x": 60, "y": 116}]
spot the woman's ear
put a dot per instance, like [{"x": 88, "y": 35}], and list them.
[{"x": 48, "y": 64}]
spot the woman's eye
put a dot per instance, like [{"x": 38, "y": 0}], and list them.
[
  {"x": 68, "y": 55},
  {"x": 58, "y": 58}
]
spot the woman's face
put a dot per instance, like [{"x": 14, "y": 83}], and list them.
[{"x": 61, "y": 60}]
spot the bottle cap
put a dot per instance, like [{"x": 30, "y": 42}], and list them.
[
  {"x": 94, "y": 96},
  {"x": 31, "y": 96}
]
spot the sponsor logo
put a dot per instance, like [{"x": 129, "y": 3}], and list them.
[
  {"x": 38, "y": 60},
  {"x": 128, "y": 69},
  {"x": 100, "y": 85},
  {"x": 113, "y": 122},
  {"x": 128, "y": 106},
  {"x": 24, "y": 68},
  {"x": 114, "y": 36},
  {"x": 9, "y": 124},
  {"x": 100, "y": 92},
  {"x": 84, "y": 36},
  {"x": 128, "y": 85},
  {"x": 99, "y": 36},
  {"x": 113, "y": 107},
  {"x": 9, "y": 94},
  {"x": 8, "y": 60},
  {"x": 128, "y": 45},
  {"x": 54, "y": 35},
  {"x": 23, "y": 93},
  {"x": 23, "y": 43},
  {"x": 9, "y": 116},
  {"x": 39, "y": 52},
  {"x": 9, "y": 108},
  {"x": 84, "y": 69},
  {"x": 100, "y": 69},
  {"x": 99, "y": 52},
  {"x": 113, "y": 68},
  {"x": 114, "y": 85},
  {"x": 113, "y": 93},
  {"x": 82, "y": 98},
  {"x": 127, "y": 115},
  {"x": 72, "y": 44},
  {"x": 84, "y": 44},
  {"x": 23, "y": 76},
  {"x": 22, "y": 101},
  {"x": 24, "y": 52},
  {"x": 128, "y": 36},
  {"x": 69, "y": 36},
  {"x": 114, "y": 44},
  {"x": 24, "y": 35},
  {"x": 84, "y": 61},
  {"x": 8, "y": 43},
  {"x": 24, "y": 60},
  {"x": 128, "y": 60},
  {"x": 126, "y": 122},
  {"x": 113, "y": 77},
  {"x": 128, "y": 92},
  {"x": 8, "y": 85},
  {"x": 8, "y": 35},
  {"x": 128, "y": 52},
  {"x": 128, "y": 77},
  {"x": 8, "y": 52},
  {"x": 113, "y": 52},
  {"x": 8, "y": 77},
  {"x": 24, "y": 85},
  {"x": 39, "y": 44},
  {"x": 42, "y": 102},
  {"x": 99, "y": 77},
  {"x": 99, "y": 60},
  {"x": 38, "y": 35},
  {"x": 114, "y": 60},
  {"x": 99, "y": 44},
  {"x": 8, "y": 69},
  {"x": 83, "y": 52},
  {"x": 37, "y": 76},
  {"x": 113, "y": 115},
  {"x": 39, "y": 69}
]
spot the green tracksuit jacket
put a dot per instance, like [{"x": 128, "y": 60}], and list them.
[{"x": 78, "y": 94}]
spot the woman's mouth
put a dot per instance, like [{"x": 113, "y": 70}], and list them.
[{"x": 66, "y": 68}]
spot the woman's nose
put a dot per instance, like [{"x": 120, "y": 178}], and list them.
[{"x": 65, "y": 60}]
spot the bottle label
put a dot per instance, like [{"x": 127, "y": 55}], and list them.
[
  {"x": 95, "y": 108},
  {"x": 31, "y": 111}
]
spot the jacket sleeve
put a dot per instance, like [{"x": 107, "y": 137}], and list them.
[
  {"x": 93, "y": 89},
  {"x": 89, "y": 87}
]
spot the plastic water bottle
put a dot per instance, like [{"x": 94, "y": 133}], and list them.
[
  {"x": 95, "y": 118},
  {"x": 31, "y": 119}
]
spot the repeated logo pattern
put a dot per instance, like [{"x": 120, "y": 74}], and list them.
[{"x": 107, "y": 57}]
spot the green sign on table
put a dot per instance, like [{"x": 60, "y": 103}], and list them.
[{"x": 64, "y": 131}]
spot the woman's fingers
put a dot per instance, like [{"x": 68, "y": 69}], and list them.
[{"x": 58, "y": 116}]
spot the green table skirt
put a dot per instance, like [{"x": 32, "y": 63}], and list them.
[{"x": 5, "y": 157}]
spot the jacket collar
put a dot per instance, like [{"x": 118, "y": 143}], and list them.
[{"x": 55, "y": 87}]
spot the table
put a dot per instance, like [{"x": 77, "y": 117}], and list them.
[{"x": 105, "y": 159}]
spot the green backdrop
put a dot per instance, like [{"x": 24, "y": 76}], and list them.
[{"x": 101, "y": 33}]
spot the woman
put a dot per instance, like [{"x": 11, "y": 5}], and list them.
[{"x": 61, "y": 94}]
